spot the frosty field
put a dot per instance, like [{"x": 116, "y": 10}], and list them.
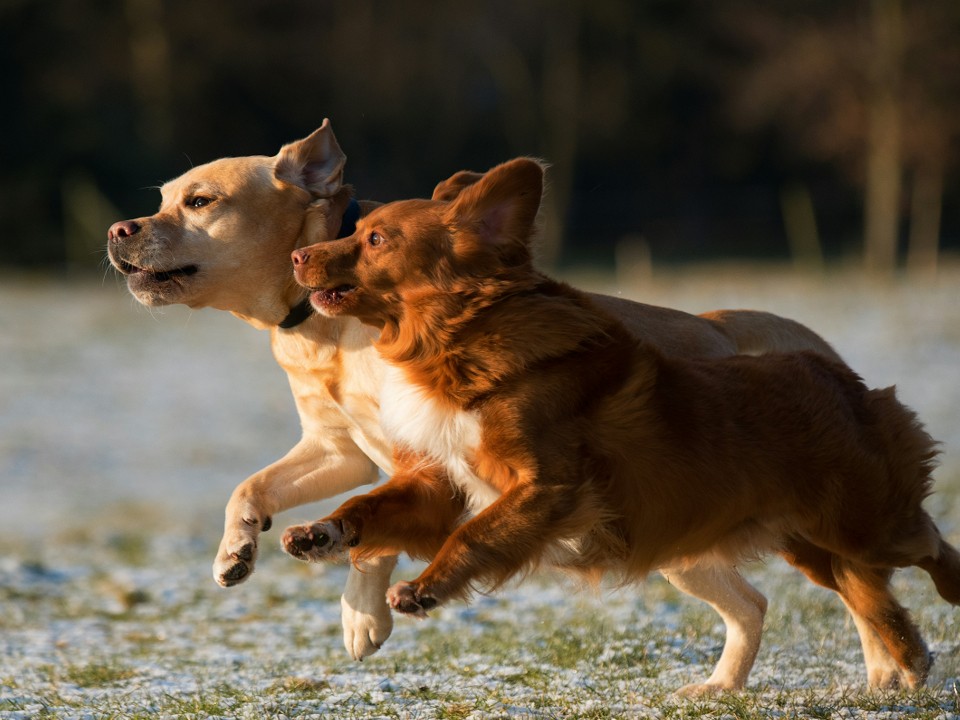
[{"x": 123, "y": 431}]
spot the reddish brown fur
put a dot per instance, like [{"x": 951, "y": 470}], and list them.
[{"x": 594, "y": 438}]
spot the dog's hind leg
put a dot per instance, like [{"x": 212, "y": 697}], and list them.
[
  {"x": 883, "y": 672},
  {"x": 817, "y": 564},
  {"x": 866, "y": 591},
  {"x": 742, "y": 608}
]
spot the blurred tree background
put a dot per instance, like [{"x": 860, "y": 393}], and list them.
[{"x": 808, "y": 130}]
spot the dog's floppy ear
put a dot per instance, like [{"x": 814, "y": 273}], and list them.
[
  {"x": 501, "y": 206},
  {"x": 314, "y": 163},
  {"x": 449, "y": 189}
]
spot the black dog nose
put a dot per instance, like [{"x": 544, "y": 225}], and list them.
[
  {"x": 300, "y": 257},
  {"x": 122, "y": 229}
]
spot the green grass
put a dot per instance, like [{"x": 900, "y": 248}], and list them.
[
  {"x": 117, "y": 628},
  {"x": 259, "y": 652},
  {"x": 94, "y": 674}
]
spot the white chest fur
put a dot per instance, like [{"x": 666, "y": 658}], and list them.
[{"x": 410, "y": 418}]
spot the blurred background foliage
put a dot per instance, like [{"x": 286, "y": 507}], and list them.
[{"x": 677, "y": 130}]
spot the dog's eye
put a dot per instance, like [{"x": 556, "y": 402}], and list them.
[
  {"x": 198, "y": 201},
  {"x": 375, "y": 239}
]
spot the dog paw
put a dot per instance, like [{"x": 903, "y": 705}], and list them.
[
  {"x": 238, "y": 552},
  {"x": 897, "y": 678},
  {"x": 319, "y": 541},
  {"x": 886, "y": 679},
  {"x": 405, "y": 598},
  {"x": 702, "y": 690},
  {"x": 365, "y": 629}
]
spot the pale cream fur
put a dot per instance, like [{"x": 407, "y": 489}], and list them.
[
  {"x": 241, "y": 245},
  {"x": 412, "y": 419}
]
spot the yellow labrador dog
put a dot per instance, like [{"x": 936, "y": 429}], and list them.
[{"x": 222, "y": 238}]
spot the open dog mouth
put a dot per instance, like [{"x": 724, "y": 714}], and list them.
[
  {"x": 156, "y": 275},
  {"x": 331, "y": 298}
]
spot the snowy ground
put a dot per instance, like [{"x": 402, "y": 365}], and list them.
[{"x": 122, "y": 433}]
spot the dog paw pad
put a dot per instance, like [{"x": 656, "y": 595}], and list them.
[
  {"x": 245, "y": 553},
  {"x": 298, "y": 541},
  {"x": 235, "y": 574}
]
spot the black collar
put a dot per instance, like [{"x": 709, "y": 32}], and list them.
[
  {"x": 298, "y": 313},
  {"x": 302, "y": 310},
  {"x": 349, "y": 223}
]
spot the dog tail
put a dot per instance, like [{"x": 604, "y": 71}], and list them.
[
  {"x": 911, "y": 452},
  {"x": 755, "y": 333},
  {"x": 913, "y": 458},
  {"x": 911, "y": 455},
  {"x": 944, "y": 569}
]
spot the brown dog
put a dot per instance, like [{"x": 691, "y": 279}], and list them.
[{"x": 566, "y": 440}]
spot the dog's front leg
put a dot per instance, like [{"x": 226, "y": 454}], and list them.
[
  {"x": 410, "y": 513},
  {"x": 367, "y": 620},
  {"x": 315, "y": 469},
  {"x": 507, "y": 536}
]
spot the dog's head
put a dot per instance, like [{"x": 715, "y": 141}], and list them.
[
  {"x": 413, "y": 249},
  {"x": 224, "y": 231}
]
